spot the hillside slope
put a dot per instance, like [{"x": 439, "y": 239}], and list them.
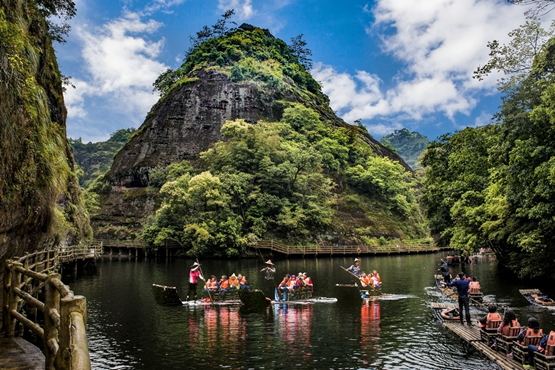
[
  {"x": 40, "y": 201},
  {"x": 270, "y": 159},
  {"x": 409, "y": 145}
]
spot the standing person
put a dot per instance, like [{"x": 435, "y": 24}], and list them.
[
  {"x": 462, "y": 289},
  {"x": 444, "y": 269},
  {"x": 355, "y": 268},
  {"x": 194, "y": 274},
  {"x": 270, "y": 270}
]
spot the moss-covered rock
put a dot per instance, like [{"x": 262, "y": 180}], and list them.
[{"x": 40, "y": 200}]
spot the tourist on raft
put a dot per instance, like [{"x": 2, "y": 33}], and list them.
[
  {"x": 462, "y": 289},
  {"x": 451, "y": 314},
  {"x": 474, "y": 286},
  {"x": 243, "y": 283},
  {"x": 283, "y": 287},
  {"x": 308, "y": 282},
  {"x": 548, "y": 340},
  {"x": 509, "y": 321},
  {"x": 210, "y": 288},
  {"x": 194, "y": 275},
  {"x": 491, "y": 316},
  {"x": 444, "y": 269},
  {"x": 223, "y": 286},
  {"x": 233, "y": 283},
  {"x": 355, "y": 268},
  {"x": 532, "y": 330}
]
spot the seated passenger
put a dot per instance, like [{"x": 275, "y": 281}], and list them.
[
  {"x": 375, "y": 273},
  {"x": 532, "y": 330},
  {"x": 474, "y": 286},
  {"x": 509, "y": 321},
  {"x": 374, "y": 283},
  {"x": 451, "y": 314},
  {"x": 233, "y": 283},
  {"x": 491, "y": 316},
  {"x": 283, "y": 287},
  {"x": 308, "y": 282},
  {"x": 223, "y": 286},
  {"x": 548, "y": 340},
  {"x": 364, "y": 279},
  {"x": 210, "y": 286},
  {"x": 243, "y": 283}
]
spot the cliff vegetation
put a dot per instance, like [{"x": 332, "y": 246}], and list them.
[
  {"x": 40, "y": 201},
  {"x": 409, "y": 145}
]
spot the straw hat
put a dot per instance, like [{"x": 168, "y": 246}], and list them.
[
  {"x": 196, "y": 264},
  {"x": 233, "y": 276},
  {"x": 356, "y": 260},
  {"x": 269, "y": 262}
]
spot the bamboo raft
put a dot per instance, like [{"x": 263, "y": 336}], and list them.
[
  {"x": 439, "y": 307},
  {"x": 471, "y": 335},
  {"x": 168, "y": 296},
  {"x": 529, "y": 295},
  {"x": 476, "y": 299}
]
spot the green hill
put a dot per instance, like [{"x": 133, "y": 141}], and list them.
[
  {"x": 95, "y": 159},
  {"x": 409, "y": 145},
  {"x": 243, "y": 146}
]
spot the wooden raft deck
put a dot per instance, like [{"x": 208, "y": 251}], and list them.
[
  {"x": 471, "y": 334},
  {"x": 529, "y": 291},
  {"x": 18, "y": 354}
]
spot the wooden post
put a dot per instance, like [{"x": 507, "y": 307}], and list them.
[
  {"x": 73, "y": 353},
  {"x": 136, "y": 252},
  {"x": 119, "y": 251},
  {"x": 51, "y": 321},
  {"x": 6, "y": 293},
  {"x": 110, "y": 251},
  {"x": 167, "y": 252},
  {"x": 12, "y": 299}
]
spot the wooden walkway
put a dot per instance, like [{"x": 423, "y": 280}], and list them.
[
  {"x": 471, "y": 335},
  {"x": 330, "y": 250},
  {"x": 18, "y": 354}
]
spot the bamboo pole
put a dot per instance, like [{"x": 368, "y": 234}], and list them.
[
  {"x": 29, "y": 298},
  {"x": 51, "y": 321},
  {"x": 35, "y": 328},
  {"x": 73, "y": 353},
  {"x": 12, "y": 299}
]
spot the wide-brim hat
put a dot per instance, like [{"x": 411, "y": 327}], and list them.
[
  {"x": 233, "y": 276},
  {"x": 196, "y": 264},
  {"x": 269, "y": 262},
  {"x": 357, "y": 260}
]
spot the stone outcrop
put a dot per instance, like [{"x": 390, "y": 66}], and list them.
[{"x": 186, "y": 122}]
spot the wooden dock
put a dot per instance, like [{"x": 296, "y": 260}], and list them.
[
  {"x": 471, "y": 335},
  {"x": 18, "y": 354}
]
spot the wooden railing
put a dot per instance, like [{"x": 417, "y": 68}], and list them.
[
  {"x": 122, "y": 243},
  {"x": 343, "y": 249},
  {"x": 65, "y": 315},
  {"x": 79, "y": 252}
]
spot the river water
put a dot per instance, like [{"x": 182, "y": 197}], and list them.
[{"x": 128, "y": 330}]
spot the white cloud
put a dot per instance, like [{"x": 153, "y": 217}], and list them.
[
  {"x": 440, "y": 43},
  {"x": 120, "y": 63},
  {"x": 243, "y": 8}
]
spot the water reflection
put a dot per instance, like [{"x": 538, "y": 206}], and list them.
[
  {"x": 369, "y": 329},
  {"x": 128, "y": 330}
]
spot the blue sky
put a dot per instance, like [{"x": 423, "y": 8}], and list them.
[{"x": 391, "y": 63}]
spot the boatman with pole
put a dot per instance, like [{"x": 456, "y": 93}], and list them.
[
  {"x": 462, "y": 289},
  {"x": 194, "y": 274},
  {"x": 355, "y": 268}
]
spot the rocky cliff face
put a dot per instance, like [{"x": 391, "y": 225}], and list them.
[
  {"x": 188, "y": 119},
  {"x": 40, "y": 201},
  {"x": 186, "y": 122}
]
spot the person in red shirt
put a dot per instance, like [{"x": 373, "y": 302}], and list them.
[{"x": 194, "y": 275}]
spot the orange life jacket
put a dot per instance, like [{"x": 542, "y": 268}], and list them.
[
  {"x": 224, "y": 285},
  {"x": 506, "y": 328},
  {"x": 233, "y": 282},
  {"x": 550, "y": 342},
  {"x": 493, "y": 316},
  {"x": 474, "y": 287},
  {"x": 243, "y": 281},
  {"x": 530, "y": 333},
  {"x": 377, "y": 276}
]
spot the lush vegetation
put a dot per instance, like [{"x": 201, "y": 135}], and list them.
[
  {"x": 247, "y": 53},
  {"x": 493, "y": 187},
  {"x": 40, "y": 199},
  {"x": 94, "y": 159},
  {"x": 409, "y": 145},
  {"x": 281, "y": 180}
]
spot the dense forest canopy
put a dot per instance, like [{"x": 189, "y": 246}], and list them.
[
  {"x": 409, "y": 145},
  {"x": 493, "y": 187},
  {"x": 278, "y": 180}
]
